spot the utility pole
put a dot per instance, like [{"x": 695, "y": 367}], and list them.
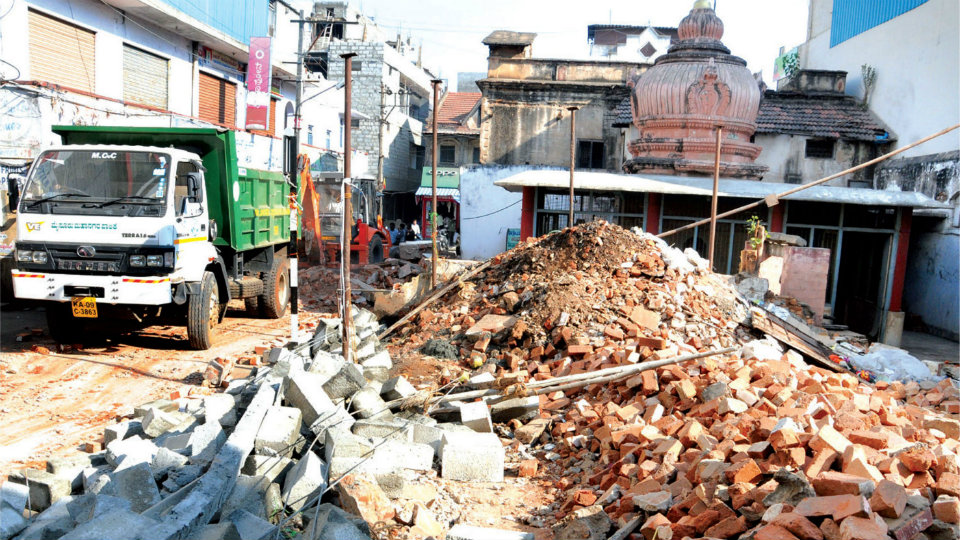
[
  {"x": 347, "y": 237},
  {"x": 433, "y": 173},
  {"x": 383, "y": 122},
  {"x": 573, "y": 140},
  {"x": 713, "y": 202},
  {"x": 294, "y": 167}
]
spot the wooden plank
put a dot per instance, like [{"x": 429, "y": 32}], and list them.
[{"x": 790, "y": 336}]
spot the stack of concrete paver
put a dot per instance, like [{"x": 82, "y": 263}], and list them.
[{"x": 272, "y": 451}]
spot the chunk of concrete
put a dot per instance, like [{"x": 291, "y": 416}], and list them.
[
  {"x": 345, "y": 382},
  {"x": 367, "y": 403},
  {"x": 136, "y": 484},
  {"x": 470, "y": 532},
  {"x": 119, "y": 525},
  {"x": 165, "y": 461},
  {"x": 395, "y": 428},
  {"x": 122, "y": 430},
  {"x": 250, "y": 527},
  {"x": 164, "y": 405},
  {"x": 45, "y": 488},
  {"x": 305, "y": 481},
  {"x": 319, "y": 412},
  {"x": 53, "y": 522},
  {"x": 377, "y": 366},
  {"x": 178, "y": 478},
  {"x": 156, "y": 422},
  {"x": 205, "y": 442},
  {"x": 271, "y": 467},
  {"x": 332, "y": 522},
  {"x": 521, "y": 408},
  {"x": 471, "y": 457},
  {"x": 221, "y": 408},
  {"x": 218, "y": 531},
  {"x": 71, "y": 468},
  {"x": 254, "y": 494},
  {"x": 403, "y": 455},
  {"x": 141, "y": 450},
  {"x": 396, "y": 388},
  {"x": 279, "y": 431},
  {"x": 339, "y": 442},
  {"x": 476, "y": 416},
  {"x": 13, "y": 501}
]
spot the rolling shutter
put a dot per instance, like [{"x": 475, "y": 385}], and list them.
[
  {"x": 218, "y": 100},
  {"x": 60, "y": 52},
  {"x": 271, "y": 120},
  {"x": 144, "y": 77}
]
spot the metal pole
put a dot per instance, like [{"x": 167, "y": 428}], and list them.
[
  {"x": 294, "y": 189},
  {"x": 433, "y": 173},
  {"x": 573, "y": 140},
  {"x": 791, "y": 191},
  {"x": 713, "y": 203},
  {"x": 347, "y": 236},
  {"x": 383, "y": 124}
]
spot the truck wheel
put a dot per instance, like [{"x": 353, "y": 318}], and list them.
[
  {"x": 62, "y": 325},
  {"x": 375, "y": 250},
  {"x": 252, "y": 306},
  {"x": 203, "y": 313},
  {"x": 276, "y": 290}
]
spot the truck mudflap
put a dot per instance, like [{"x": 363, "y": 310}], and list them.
[{"x": 136, "y": 290}]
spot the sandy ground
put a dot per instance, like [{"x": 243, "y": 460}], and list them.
[{"x": 53, "y": 402}]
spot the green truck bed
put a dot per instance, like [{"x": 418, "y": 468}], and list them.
[{"x": 258, "y": 216}]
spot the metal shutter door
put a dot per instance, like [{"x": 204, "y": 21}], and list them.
[
  {"x": 218, "y": 100},
  {"x": 60, "y": 52},
  {"x": 144, "y": 77}
]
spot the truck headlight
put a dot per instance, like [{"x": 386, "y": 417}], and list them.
[
  {"x": 138, "y": 260},
  {"x": 39, "y": 257},
  {"x": 24, "y": 255},
  {"x": 154, "y": 260}
]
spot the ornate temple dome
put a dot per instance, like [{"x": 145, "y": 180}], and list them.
[{"x": 678, "y": 103}]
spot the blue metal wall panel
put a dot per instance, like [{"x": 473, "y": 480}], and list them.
[
  {"x": 240, "y": 19},
  {"x": 853, "y": 17}
]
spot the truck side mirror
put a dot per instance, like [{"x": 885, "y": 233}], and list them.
[{"x": 195, "y": 187}]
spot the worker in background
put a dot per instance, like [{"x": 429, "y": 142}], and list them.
[
  {"x": 415, "y": 228},
  {"x": 401, "y": 234},
  {"x": 393, "y": 233}
]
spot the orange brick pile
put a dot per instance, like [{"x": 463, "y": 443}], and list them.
[{"x": 753, "y": 445}]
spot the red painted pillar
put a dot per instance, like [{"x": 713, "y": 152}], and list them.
[
  {"x": 527, "y": 208},
  {"x": 776, "y": 218},
  {"x": 653, "y": 213},
  {"x": 900, "y": 267}
]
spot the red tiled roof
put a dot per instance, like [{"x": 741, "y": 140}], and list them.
[
  {"x": 839, "y": 117},
  {"x": 456, "y": 106}
]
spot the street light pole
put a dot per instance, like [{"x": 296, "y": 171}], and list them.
[
  {"x": 433, "y": 205},
  {"x": 573, "y": 140},
  {"x": 347, "y": 235},
  {"x": 294, "y": 169}
]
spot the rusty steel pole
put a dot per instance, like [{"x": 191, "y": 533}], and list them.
[
  {"x": 433, "y": 204},
  {"x": 347, "y": 239},
  {"x": 573, "y": 141},
  {"x": 713, "y": 203}
]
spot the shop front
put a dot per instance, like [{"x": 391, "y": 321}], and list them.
[{"x": 448, "y": 202}]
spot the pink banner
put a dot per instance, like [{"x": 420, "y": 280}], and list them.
[{"x": 258, "y": 83}]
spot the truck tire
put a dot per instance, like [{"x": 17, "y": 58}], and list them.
[
  {"x": 203, "y": 313},
  {"x": 375, "y": 250},
  {"x": 63, "y": 327},
  {"x": 276, "y": 290},
  {"x": 252, "y": 306}
]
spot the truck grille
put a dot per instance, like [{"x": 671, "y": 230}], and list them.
[{"x": 105, "y": 261}]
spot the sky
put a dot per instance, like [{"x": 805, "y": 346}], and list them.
[{"x": 452, "y": 30}]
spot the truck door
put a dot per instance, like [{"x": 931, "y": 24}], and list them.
[{"x": 192, "y": 246}]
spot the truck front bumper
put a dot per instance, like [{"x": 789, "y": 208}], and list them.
[{"x": 137, "y": 290}]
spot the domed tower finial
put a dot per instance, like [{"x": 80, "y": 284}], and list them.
[{"x": 702, "y": 4}]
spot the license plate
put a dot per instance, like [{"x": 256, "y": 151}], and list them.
[{"x": 84, "y": 306}]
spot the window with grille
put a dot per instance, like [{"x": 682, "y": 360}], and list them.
[
  {"x": 589, "y": 154},
  {"x": 820, "y": 148},
  {"x": 448, "y": 154}
]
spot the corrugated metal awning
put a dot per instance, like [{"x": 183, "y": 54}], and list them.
[
  {"x": 729, "y": 187},
  {"x": 450, "y": 193}
]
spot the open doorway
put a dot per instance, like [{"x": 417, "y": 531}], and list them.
[{"x": 861, "y": 281}]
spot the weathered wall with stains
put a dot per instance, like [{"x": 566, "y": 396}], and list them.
[{"x": 785, "y": 155}]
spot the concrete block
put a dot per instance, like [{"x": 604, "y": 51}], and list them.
[
  {"x": 396, "y": 388},
  {"x": 136, "y": 484},
  {"x": 164, "y": 405},
  {"x": 53, "y": 522},
  {"x": 218, "y": 531},
  {"x": 45, "y": 488},
  {"x": 367, "y": 403},
  {"x": 141, "y": 450},
  {"x": 177, "y": 478},
  {"x": 476, "y": 416},
  {"x": 156, "y": 422},
  {"x": 254, "y": 494},
  {"x": 340, "y": 443},
  {"x": 222, "y": 408},
  {"x": 271, "y": 467},
  {"x": 334, "y": 522},
  {"x": 13, "y": 501},
  {"x": 70, "y": 468},
  {"x": 205, "y": 442},
  {"x": 305, "y": 481},
  {"x": 346, "y": 382},
  {"x": 250, "y": 527},
  {"x": 165, "y": 461},
  {"x": 521, "y": 408},
  {"x": 101, "y": 504},
  {"x": 395, "y": 428},
  {"x": 304, "y": 392},
  {"x": 179, "y": 443},
  {"x": 120, "y": 525},
  {"x": 279, "y": 431},
  {"x": 121, "y": 431},
  {"x": 471, "y": 457},
  {"x": 403, "y": 455},
  {"x": 469, "y": 532}
]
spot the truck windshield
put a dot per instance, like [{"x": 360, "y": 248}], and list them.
[{"x": 97, "y": 177}]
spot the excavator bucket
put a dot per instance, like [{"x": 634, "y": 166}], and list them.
[{"x": 310, "y": 218}]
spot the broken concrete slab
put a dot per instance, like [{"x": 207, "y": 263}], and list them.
[
  {"x": 396, "y": 388},
  {"x": 318, "y": 410},
  {"x": 122, "y": 430},
  {"x": 305, "y": 481},
  {"x": 254, "y": 494},
  {"x": 118, "y": 525},
  {"x": 471, "y": 457},
  {"x": 102, "y": 504},
  {"x": 520, "y": 408},
  {"x": 165, "y": 461},
  {"x": 221, "y": 408},
  {"x": 156, "y": 422},
  {"x": 279, "y": 431},
  {"x": 136, "y": 484},
  {"x": 251, "y": 527},
  {"x": 271, "y": 467},
  {"x": 205, "y": 442},
  {"x": 140, "y": 450},
  {"x": 367, "y": 403},
  {"x": 13, "y": 501}
]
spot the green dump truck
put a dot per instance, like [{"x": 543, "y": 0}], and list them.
[{"x": 152, "y": 225}]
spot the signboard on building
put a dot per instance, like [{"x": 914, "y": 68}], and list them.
[
  {"x": 447, "y": 177},
  {"x": 513, "y": 238},
  {"x": 258, "y": 83},
  {"x": 210, "y": 58},
  {"x": 785, "y": 64}
]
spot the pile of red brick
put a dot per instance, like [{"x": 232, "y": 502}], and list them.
[{"x": 758, "y": 445}]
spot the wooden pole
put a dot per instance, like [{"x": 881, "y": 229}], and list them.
[
  {"x": 347, "y": 235},
  {"x": 573, "y": 140},
  {"x": 713, "y": 203},
  {"x": 814, "y": 183},
  {"x": 435, "y": 261}
]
